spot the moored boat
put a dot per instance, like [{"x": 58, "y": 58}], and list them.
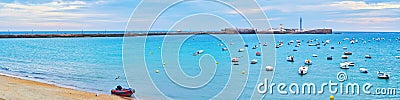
[
  {"x": 303, "y": 70},
  {"x": 383, "y": 75},
  {"x": 344, "y": 57},
  {"x": 368, "y": 56},
  {"x": 254, "y": 61},
  {"x": 290, "y": 58},
  {"x": 347, "y": 53},
  {"x": 329, "y": 58},
  {"x": 308, "y": 62},
  {"x": 363, "y": 70},
  {"x": 258, "y": 53},
  {"x": 269, "y": 68}
]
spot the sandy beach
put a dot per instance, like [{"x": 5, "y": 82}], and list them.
[{"x": 18, "y": 89}]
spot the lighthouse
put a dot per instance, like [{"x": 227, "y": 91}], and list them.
[{"x": 301, "y": 24}]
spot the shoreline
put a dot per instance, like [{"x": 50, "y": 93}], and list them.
[{"x": 23, "y": 89}]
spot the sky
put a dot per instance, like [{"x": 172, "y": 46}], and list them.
[{"x": 194, "y": 15}]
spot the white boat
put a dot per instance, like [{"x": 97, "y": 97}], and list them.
[
  {"x": 327, "y": 41},
  {"x": 312, "y": 44},
  {"x": 398, "y": 49},
  {"x": 383, "y": 75},
  {"x": 363, "y": 70},
  {"x": 308, "y": 62},
  {"x": 315, "y": 55},
  {"x": 198, "y": 52},
  {"x": 255, "y": 47},
  {"x": 344, "y": 57},
  {"x": 254, "y": 61},
  {"x": 269, "y": 68},
  {"x": 297, "y": 41},
  {"x": 398, "y": 57},
  {"x": 224, "y": 49},
  {"x": 241, "y": 50},
  {"x": 235, "y": 59},
  {"x": 344, "y": 48},
  {"x": 303, "y": 70},
  {"x": 368, "y": 56},
  {"x": 347, "y": 53},
  {"x": 350, "y": 63},
  {"x": 220, "y": 44},
  {"x": 344, "y": 66},
  {"x": 352, "y": 42},
  {"x": 290, "y": 59},
  {"x": 265, "y": 44}
]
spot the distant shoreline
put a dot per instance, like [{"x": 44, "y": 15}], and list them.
[{"x": 135, "y": 34}]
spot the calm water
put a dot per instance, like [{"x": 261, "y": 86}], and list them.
[{"x": 92, "y": 64}]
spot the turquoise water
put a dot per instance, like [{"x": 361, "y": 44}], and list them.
[{"x": 92, "y": 64}]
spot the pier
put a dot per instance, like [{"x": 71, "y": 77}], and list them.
[{"x": 238, "y": 31}]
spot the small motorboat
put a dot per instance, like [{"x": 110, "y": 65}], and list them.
[
  {"x": 258, "y": 54},
  {"x": 344, "y": 57},
  {"x": 290, "y": 59},
  {"x": 344, "y": 66},
  {"x": 254, "y": 61},
  {"x": 265, "y": 44},
  {"x": 303, "y": 70},
  {"x": 347, "y": 53},
  {"x": 314, "y": 55},
  {"x": 198, "y": 52},
  {"x": 344, "y": 48},
  {"x": 327, "y": 41},
  {"x": 298, "y": 45},
  {"x": 277, "y": 46},
  {"x": 363, "y": 70},
  {"x": 383, "y": 75},
  {"x": 308, "y": 62},
  {"x": 235, "y": 59},
  {"x": 291, "y": 41},
  {"x": 332, "y": 47},
  {"x": 398, "y": 49},
  {"x": 318, "y": 47},
  {"x": 349, "y": 63},
  {"x": 246, "y": 45},
  {"x": 312, "y": 44},
  {"x": 368, "y": 56},
  {"x": 329, "y": 58},
  {"x": 295, "y": 50},
  {"x": 398, "y": 57},
  {"x": 352, "y": 42},
  {"x": 255, "y": 47},
  {"x": 269, "y": 68},
  {"x": 241, "y": 50},
  {"x": 231, "y": 43},
  {"x": 123, "y": 92},
  {"x": 220, "y": 44},
  {"x": 224, "y": 49}
]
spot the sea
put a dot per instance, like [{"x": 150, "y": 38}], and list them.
[{"x": 97, "y": 65}]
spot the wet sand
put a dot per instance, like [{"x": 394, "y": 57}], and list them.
[{"x": 18, "y": 89}]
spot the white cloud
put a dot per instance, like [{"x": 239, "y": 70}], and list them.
[
  {"x": 359, "y": 5},
  {"x": 369, "y": 20}
]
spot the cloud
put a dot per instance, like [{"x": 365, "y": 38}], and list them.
[
  {"x": 368, "y": 20},
  {"x": 360, "y": 5}
]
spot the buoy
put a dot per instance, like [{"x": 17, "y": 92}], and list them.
[
  {"x": 216, "y": 63},
  {"x": 157, "y": 71},
  {"x": 243, "y": 72},
  {"x": 331, "y": 97}
]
